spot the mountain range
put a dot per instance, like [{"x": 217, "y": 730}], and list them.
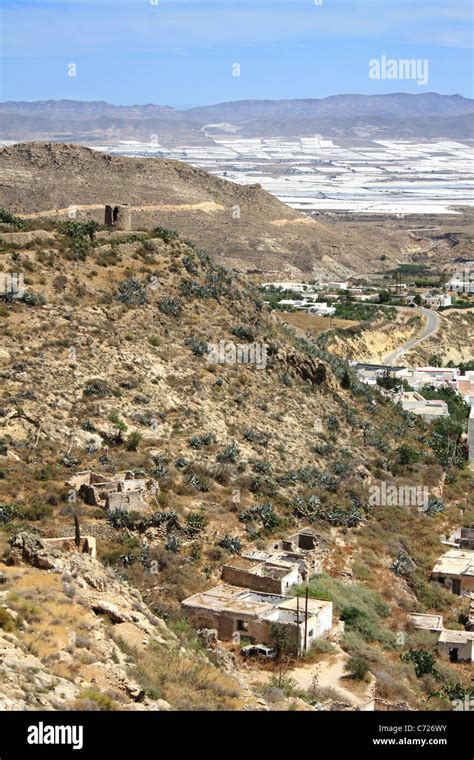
[{"x": 399, "y": 115}]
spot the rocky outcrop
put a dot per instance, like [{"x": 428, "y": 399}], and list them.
[{"x": 108, "y": 609}]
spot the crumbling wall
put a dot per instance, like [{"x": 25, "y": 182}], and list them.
[
  {"x": 244, "y": 579},
  {"x": 119, "y": 217}
]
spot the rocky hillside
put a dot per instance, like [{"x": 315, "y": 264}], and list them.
[
  {"x": 105, "y": 366},
  {"x": 243, "y": 226}
]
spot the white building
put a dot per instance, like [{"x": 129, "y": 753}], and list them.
[
  {"x": 462, "y": 283},
  {"x": 420, "y": 376},
  {"x": 415, "y": 403},
  {"x": 336, "y": 284},
  {"x": 456, "y": 646},
  {"x": 465, "y": 387},
  {"x": 296, "y": 287},
  {"x": 438, "y": 301},
  {"x": 322, "y": 310}
]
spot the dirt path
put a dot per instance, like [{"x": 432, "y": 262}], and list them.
[
  {"x": 208, "y": 207},
  {"x": 330, "y": 672}
]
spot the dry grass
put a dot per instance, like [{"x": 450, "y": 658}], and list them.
[{"x": 314, "y": 324}]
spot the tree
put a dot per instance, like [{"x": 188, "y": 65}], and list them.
[
  {"x": 407, "y": 455},
  {"x": 133, "y": 440},
  {"x": 357, "y": 668},
  {"x": 417, "y": 299},
  {"x": 384, "y": 296},
  {"x": 81, "y": 235},
  {"x": 119, "y": 424},
  {"x": 283, "y": 638},
  {"x": 435, "y": 360},
  {"x": 424, "y": 662},
  {"x": 346, "y": 380}
]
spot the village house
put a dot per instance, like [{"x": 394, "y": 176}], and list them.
[
  {"x": 336, "y": 284},
  {"x": 420, "y": 376},
  {"x": 295, "y": 287},
  {"x": 465, "y": 387},
  {"x": 322, "y": 310},
  {"x": 430, "y": 410},
  {"x": 236, "y": 612},
  {"x": 456, "y": 646},
  {"x": 437, "y": 301},
  {"x": 455, "y": 571},
  {"x": 267, "y": 572}
]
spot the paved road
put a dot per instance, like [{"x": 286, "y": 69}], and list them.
[{"x": 431, "y": 328}]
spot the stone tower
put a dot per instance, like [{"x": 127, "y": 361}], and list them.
[{"x": 119, "y": 217}]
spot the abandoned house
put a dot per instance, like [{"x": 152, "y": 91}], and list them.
[
  {"x": 465, "y": 539},
  {"x": 456, "y": 646},
  {"x": 427, "y": 622},
  {"x": 455, "y": 571},
  {"x": 262, "y": 571},
  {"x": 68, "y": 543},
  {"x": 305, "y": 547},
  {"x": 232, "y": 610},
  {"x": 124, "y": 490}
]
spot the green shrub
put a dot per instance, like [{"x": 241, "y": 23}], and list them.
[
  {"x": 103, "y": 701},
  {"x": 6, "y": 217},
  {"x": 7, "y": 513},
  {"x": 164, "y": 234},
  {"x": 133, "y": 440},
  {"x": 358, "y": 668}
]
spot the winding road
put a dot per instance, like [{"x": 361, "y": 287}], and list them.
[{"x": 431, "y": 328}]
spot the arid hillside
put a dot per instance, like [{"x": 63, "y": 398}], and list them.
[
  {"x": 243, "y": 226},
  {"x": 104, "y": 366}
]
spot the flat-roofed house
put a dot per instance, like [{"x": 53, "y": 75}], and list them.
[
  {"x": 253, "y": 614},
  {"x": 455, "y": 571},
  {"x": 427, "y": 622},
  {"x": 262, "y": 572},
  {"x": 415, "y": 403},
  {"x": 456, "y": 646}
]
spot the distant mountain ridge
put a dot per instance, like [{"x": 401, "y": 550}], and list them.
[
  {"x": 398, "y": 115},
  {"x": 397, "y": 105}
]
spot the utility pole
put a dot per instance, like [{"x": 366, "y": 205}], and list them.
[
  {"x": 306, "y": 620},
  {"x": 297, "y": 626}
]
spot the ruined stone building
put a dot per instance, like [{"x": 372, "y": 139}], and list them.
[{"x": 232, "y": 610}]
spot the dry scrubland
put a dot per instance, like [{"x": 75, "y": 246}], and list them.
[
  {"x": 103, "y": 366},
  {"x": 245, "y": 225}
]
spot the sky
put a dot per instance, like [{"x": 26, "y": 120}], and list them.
[{"x": 185, "y": 53}]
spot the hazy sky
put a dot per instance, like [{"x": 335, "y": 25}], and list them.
[{"x": 182, "y": 52}]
